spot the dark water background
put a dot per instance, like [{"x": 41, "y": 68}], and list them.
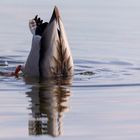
[{"x": 103, "y": 102}]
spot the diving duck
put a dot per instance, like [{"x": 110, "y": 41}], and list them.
[{"x": 50, "y": 55}]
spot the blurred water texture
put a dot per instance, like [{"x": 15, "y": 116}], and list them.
[{"x": 102, "y": 101}]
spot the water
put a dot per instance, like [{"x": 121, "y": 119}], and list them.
[{"x": 102, "y": 101}]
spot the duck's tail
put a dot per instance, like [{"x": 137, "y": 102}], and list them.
[{"x": 55, "y": 54}]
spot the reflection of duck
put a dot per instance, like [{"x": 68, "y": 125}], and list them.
[
  {"x": 48, "y": 103},
  {"x": 50, "y": 55}
]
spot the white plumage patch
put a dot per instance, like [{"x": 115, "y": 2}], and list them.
[{"x": 32, "y": 26}]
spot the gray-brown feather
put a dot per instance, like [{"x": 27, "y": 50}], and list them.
[
  {"x": 62, "y": 63},
  {"x": 55, "y": 56}
]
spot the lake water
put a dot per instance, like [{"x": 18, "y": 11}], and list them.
[{"x": 102, "y": 101}]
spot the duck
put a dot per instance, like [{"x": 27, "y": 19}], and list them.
[{"x": 50, "y": 54}]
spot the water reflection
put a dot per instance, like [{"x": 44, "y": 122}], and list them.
[{"x": 49, "y": 101}]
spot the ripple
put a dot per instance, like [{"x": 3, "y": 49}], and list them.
[
  {"x": 108, "y": 85},
  {"x": 89, "y": 73},
  {"x": 81, "y": 61},
  {"x": 3, "y": 63},
  {"x": 102, "y": 62},
  {"x": 103, "y": 70},
  {"x": 95, "y": 71},
  {"x": 15, "y": 62},
  {"x": 121, "y": 63},
  {"x": 135, "y": 68}
]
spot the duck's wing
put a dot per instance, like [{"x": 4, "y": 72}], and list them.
[{"x": 55, "y": 55}]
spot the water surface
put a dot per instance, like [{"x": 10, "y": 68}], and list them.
[{"x": 101, "y": 101}]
